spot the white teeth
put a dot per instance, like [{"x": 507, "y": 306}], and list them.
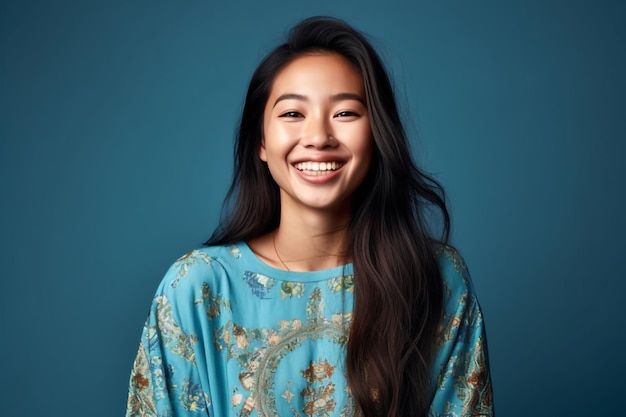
[{"x": 318, "y": 166}]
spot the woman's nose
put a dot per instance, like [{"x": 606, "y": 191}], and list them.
[{"x": 317, "y": 134}]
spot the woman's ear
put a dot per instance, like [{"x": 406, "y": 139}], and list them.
[{"x": 262, "y": 153}]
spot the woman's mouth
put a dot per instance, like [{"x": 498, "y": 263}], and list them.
[{"x": 318, "y": 168}]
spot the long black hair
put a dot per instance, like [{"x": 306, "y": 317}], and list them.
[{"x": 398, "y": 288}]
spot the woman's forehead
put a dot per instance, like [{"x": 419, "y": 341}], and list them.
[{"x": 316, "y": 74}]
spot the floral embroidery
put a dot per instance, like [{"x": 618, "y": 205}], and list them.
[
  {"x": 288, "y": 395},
  {"x": 141, "y": 395},
  {"x": 469, "y": 374},
  {"x": 178, "y": 341},
  {"x": 318, "y": 371},
  {"x": 318, "y": 398},
  {"x": 315, "y": 305},
  {"x": 236, "y": 399},
  {"x": 291, "y": 289},
  {"x": 344, "y": 283},
  {"x": 451, "y": 322},
  {"x": 259, "y": 284},
  {"x": 213, "y": 304},
  {"x": 186, "y": 261},
  {"x": 159, "y": 377},
  {"x": 192, "y": 397},
  {"x": 473, "y": 383},
  {"x": 151, "y": 380},
  {"x": 451, "y": 254}
]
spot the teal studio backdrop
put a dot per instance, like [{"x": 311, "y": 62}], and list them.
[{"x": 116, "y": 126}]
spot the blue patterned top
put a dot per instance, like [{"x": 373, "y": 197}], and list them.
[{"x": 229, "y": 335}]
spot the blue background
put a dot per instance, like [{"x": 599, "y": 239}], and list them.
[{"x": 116, "y": 127}]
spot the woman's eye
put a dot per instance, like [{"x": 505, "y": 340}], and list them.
[
  {"x": 346, "y": 114},
  {"x": 291, "y": 114}
]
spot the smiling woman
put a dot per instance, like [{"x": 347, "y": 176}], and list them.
[
  {"x": 317, "y": 140},
  {"x": 324, "y": 292}
]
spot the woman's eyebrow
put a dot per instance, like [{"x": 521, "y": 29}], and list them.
[
  {"x": 334, "y": 98},
  {"x": 348, "y": 96},
  {"x": 290, "y": 96}
]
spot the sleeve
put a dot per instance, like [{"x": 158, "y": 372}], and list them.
[
  {"x": 462, "y": 380},
  {"x": 165, "y": 380}
]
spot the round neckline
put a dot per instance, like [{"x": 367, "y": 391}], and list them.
[{"x": 262, "y": 267}]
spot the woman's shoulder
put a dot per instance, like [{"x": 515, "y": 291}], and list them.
[
  {"x": 454, "y": 272},
  {"x": 202, "y": 265}
]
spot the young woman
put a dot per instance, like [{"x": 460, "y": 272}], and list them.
[{"x": 324, "y": 292}]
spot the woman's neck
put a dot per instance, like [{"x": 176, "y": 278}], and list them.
[{"x": 304, "y": 242}]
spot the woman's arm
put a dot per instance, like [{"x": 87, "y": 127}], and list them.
[{"x": 462, "y": 380}]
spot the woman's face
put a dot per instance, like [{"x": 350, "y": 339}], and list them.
[{"x": 317, "y": 139}]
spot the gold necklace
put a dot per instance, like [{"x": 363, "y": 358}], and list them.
[{"x": 276, "y": 251}]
